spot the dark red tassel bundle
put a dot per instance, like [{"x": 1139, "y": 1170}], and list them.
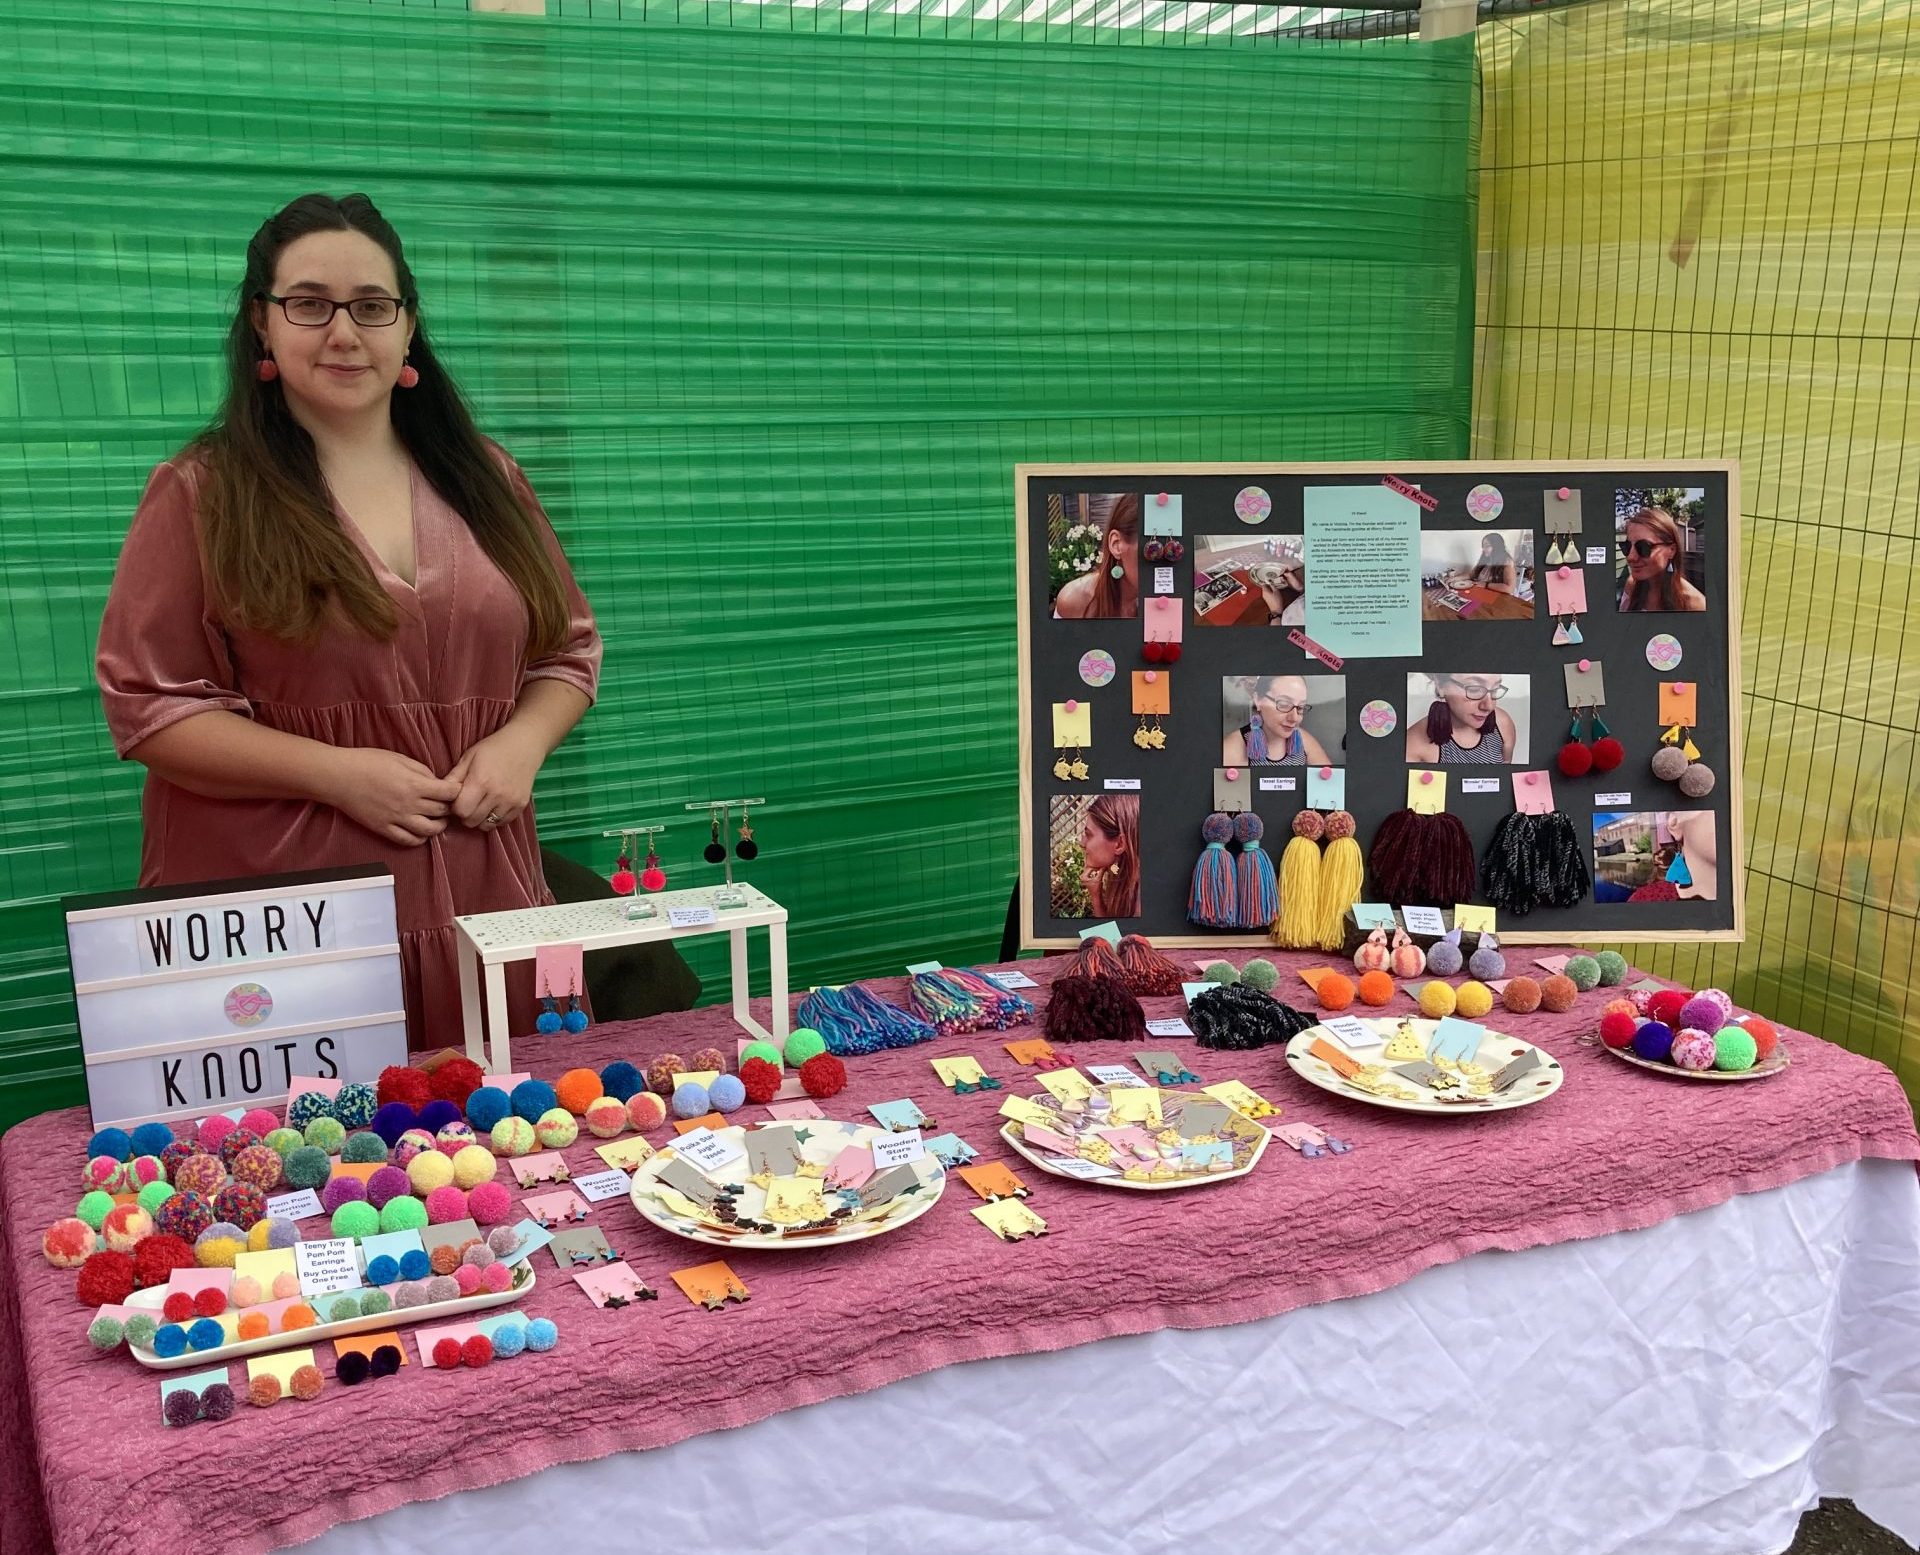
[
  {"x": 1093, "y": 1009},
  {"x": 1149, "y": 974},
  {"x": 1098, "y": 959},
  {"x": 1426, "y": 860}
]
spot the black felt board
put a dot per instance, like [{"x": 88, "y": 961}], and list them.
[{"x": 1176, "y": 784}]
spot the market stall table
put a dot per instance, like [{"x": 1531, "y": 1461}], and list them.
[{"x": 1796, "y": 1248}]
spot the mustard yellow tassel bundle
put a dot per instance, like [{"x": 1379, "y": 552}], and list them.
[
  {"x": 1342, "y": 873},
  {"x": 1297, "y": 927}
]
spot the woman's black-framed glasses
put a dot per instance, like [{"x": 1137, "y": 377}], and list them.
[{"x": 312, "y": 312}]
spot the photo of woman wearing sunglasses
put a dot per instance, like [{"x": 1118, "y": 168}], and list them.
[{"x": 1652, "y": 531}]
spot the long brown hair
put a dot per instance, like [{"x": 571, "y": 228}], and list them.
[
  {"x": 276, "y": 555},
  {"x": 1119, "y": 818},
  {"x": 1667, "y": 590},
  {"x": 1123, "y": 519}
]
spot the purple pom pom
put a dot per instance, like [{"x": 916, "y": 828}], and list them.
[
  {"x": 437, "y": 1114},
  {"x": 341, "y": 1190},
  {"x": 182, "y": 1407},
  {"x": 384, "y": 1185},
  {"x": 393, "y": 1120},
  {"x": 410, "y": 1293},
  {"x": 217, "y": 1402},
  {"x": 1702, "y": 1014}
]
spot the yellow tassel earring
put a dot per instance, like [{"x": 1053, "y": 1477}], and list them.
[
  {"x": 1342, "y": 873},
  {"x": 1298, "y": 923}
]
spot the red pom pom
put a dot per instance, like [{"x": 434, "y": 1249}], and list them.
[
  {"x": 1574, "y": 760},
  {"x": 476, "y": 1352},
  {"x": 456, "y": 1080},
  {"x": 402, "y": 1082},
  {"x": 209, "y": 1302},
  {"x": 1608, "y": 753},
  {"x": 1173, "y": 653},
  {"x": 761, "y": 1079},
  {"x": 1154, "y": 652},
  {"x": 178, "y": 1307},
  {"x": 622, "y": 882},
  {"x": 1666, "y": 1005},
  {"x": 446, "y": 1353},
  {"x": 157, "y": 1256},
  {"x": 653, "y": 878},
  {"x": 105, "y": 1279},
  {"x": 823, "y": 1075},
  {"x": 1617, "y": 1029}
]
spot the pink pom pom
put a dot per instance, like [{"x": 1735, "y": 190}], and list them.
[
  {"x": 467, "y": 1278},
  {"x": 245, "y": 1291},
  {"x": 286, "y": 1285},
  {"x": 497, "y": 1277},
  {"x": 446, "y": 1205},
  {"x": 261, "y": 1121},
  {"x": 214, "y": 1129},
  {"x": 488, "y": 1204}
]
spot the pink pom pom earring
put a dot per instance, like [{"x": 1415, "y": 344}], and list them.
[
  {"x": 267, "y": 369},
  {"x": 409, "y": 375}
]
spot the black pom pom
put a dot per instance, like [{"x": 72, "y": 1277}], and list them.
[
  {"x": 747, "y": 848},
  {"x": 714, "y": 853},
  {"x": 352, "y": 1369},
  {"x": 386, "y": 1360},
  {"x": 1237, "y": 1018}
]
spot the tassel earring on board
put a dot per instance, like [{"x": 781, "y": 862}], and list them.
[
  {"x": 1423, "y": 855},
  {"x": 1210, "y": 900},
  {"x": 1342, "y": 873},
  {"x": 1298, "y": 926},
  {"x": 1256, "y": 896}
]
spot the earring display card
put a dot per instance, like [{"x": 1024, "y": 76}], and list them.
[
  {"x": 559, "y": 970},
  {"x": 1648, "y": 550}
]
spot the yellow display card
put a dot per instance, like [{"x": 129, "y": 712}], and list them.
[
  {"x": 1475, "y": 920},
  {"x": 1066, "y": 1086},
  {"x": 1135, "y": 1104},
  {"x": 1426, "y": 791},
  {"x": 1023, "y": 1111}
]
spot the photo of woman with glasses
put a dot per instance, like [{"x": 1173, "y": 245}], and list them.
[
  {"x": 1661, "y": 558},
  {"x": 1283, "y": 720},
  {"x": 1467, "y": 719},
  {"x": 342, "y": 630}
]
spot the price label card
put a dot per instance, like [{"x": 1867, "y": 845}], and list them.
[
  {"x": 326, "y": 1267},
  {"x": 898, "y": 1149},
  {"x": 1372, "y": 915},
  {"x": 1116, "y": 1074},
  {"x": 610, "y": 1184},
  {"x": 691, "y": 917},
  {"x": 1110, "y": 932},
  {"x": 707, "y": 1150},
  {"x": 1479, "y": 785},
  {"x": 1013, "y": 980},
  {"x": 1613, "y": 801},
  {"x": 922, "y": 966},
  {"x": 1596, "y": 556},
  {"x": 1170, "y": 1026},
  {"x": 303, "y": 1205},
  {"x": 1122, "y": 785},
  {"x": 1074, "y": 1166},
  {"x": 1163, "y": 580},
  {"x": 1278, "y": 785},
  {"x": 1351, "y": 1030},
  {"x": 1423, "y": 920}
]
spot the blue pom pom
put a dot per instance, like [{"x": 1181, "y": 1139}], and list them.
[
  {"x": 574, "y": 1020},
  {"x": 533, "y": 1097},
  {"x": 437, "y": 1114},
  {"x": 509, "y": 1339},
  {"x": 486, "y": 1107},
  {"x": 622, "y": 1081},
  {"x": 151, "y": 1138},
  {"x": 382, "y": 1270},
  {"x": 692, "y": 1100},
  {"x": 205, "y": 1334},
  {"x": 542, "y": 1334},
  {"x": 549, "y": 1022},
  {"x": 170, "y": 1339},
  {"x": 415, "y": 1264},
  {"x": 356, "y": 1104},
  {"x": 726, "y": 1093},
  {"x": 1654, "y": 1041},
  {"x": 306, "y": 1108},
  {"x": 393, "y": 1120},
  {"x": 113, "y": 1143}
]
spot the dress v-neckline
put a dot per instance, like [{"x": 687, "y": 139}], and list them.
[{"x": 372, "y": 551}]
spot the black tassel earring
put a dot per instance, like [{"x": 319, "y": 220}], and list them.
[{"x": 1534, "y": 860}]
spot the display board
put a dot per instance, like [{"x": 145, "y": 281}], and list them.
[
  {"x": 201, "y": 998},
  {"x": 1359, "y": 636}
]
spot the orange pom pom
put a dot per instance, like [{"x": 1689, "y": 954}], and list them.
[
  {"x": 263, "y": 1390},
  {"x": 299, "y": 1315},
  {"x": 579, "y": 1089},
  {"x": 1376, "y": 988},
  {"x": 1335, "y": 991},
  {"x": 1521, "y": 996},
  {"x": 306, "y": 1382},
  {"x": 1557, "y": 994},
  {"x": 1765, "y": 1037},
  {"x": 253, "y": 1325}
]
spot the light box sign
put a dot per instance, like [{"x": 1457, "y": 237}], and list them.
[{"x": 198, "y": 999}]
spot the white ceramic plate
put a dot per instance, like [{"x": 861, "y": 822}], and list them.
[
  {"x": 1496, "y": 1051},
  {"x": 820, "y": 1141},
  {"x": 399, "y": 1317},
  {"x": 1249, "y": 1139}
]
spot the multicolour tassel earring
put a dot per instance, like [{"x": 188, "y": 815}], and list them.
[
  {"x": 1211, "y": 899},
  {"x": 1256, "y": 895},
  {"x": 1149, "y": 974}
]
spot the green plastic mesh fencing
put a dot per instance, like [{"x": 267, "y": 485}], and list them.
[{"x": 768, "y": 315}]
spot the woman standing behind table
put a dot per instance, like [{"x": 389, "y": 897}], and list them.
[
  {"x": 1465, "y": 726},
  {"x": 342, "y": 630}
]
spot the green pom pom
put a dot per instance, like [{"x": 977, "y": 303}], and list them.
[
  {"x": 1260, "y": 974},
  {"x": 364, "y": 1148},
  {"x": 105, "y": 1333},
  {"x": 1222, "y": 972},
  {"x": 405, "y": 1213},
  {"x": 1734, "y": 1049},
  {"x": 804, "y": 1044},
  {"x": 342, "y": 1309},
  {"x": 154, "y": 1195},
  {"x": 764, "y": 1050},
  {"x": 326, "y": 1134},
  {"x": 284, "y": 1140},
  {"x": 1613, "y": 968},
  {"x": 359, "y": 1218},
  {"x": 94, "y": 1208},
  {"x": 374, "y": 1302},
  {"x": 141, "y": 1328},
  {"x": 308, "y": 1167},
  {"x": 1584, "y": 971}
]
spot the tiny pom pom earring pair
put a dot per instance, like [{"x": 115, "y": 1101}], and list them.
[
  {"x": 651, "y": 877},
  {"x": 746, "y": 849},
  {"x": 550, "y": 1019}
]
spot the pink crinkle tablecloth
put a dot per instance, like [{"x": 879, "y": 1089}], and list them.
[{"x": 88, "y": 1466}]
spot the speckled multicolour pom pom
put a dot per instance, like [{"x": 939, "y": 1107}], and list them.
[
  {"x": 364, "y": 1149},
  {"x": 307, "y": 1106},
  {"x": 241, "y": 1203},
  {"x": 356, "y": 1104},
  {"x": 429, "y": 1170},
  {"x": 661, "y": 1072},
  {"x": 125, "y": 1225},
  {"x": 446, "y": 1205},
  {"x": 1584, "y": 971},
  {"x": 238, "y": 1139},
  {"x": 185, "y": 1215},
  {"x": 489, "y": 1203},
  {"x": 203, "y": 1174},
  {"x": 709, "y": 1060},
  {"x": 356, "y": 1220},
  {"x": 645, "y": 1110},
  {"x": 259, "y": 1165},
  {"x": 606, "y": 1117},
  {"x": 66, "y": 1244},
  {"x": 1692, "y": 1050},
  {"x": 415, "y": 1141},
  {"x": 453, "y": 1137},
  {"x": 180, "y": 1150},
  {"x": 556, "y": 1129},
  {"x": 1613, "y": 968},
  {"x": 512, "y": 1136},
  {"x": 405, "y": 1213}
]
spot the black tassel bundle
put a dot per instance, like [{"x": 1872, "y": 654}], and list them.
[
  {"x": 1534, "y": 861},
  {"x": 1425, "y": 860},
  {"x": 1237, "y": 1019},
  {"x": 1093, "y": 1009}
]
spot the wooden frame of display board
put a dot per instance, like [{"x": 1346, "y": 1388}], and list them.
[{"x": 1174, "y": 784}]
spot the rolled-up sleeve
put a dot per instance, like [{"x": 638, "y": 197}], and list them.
[
  {"x": 161, "y": 657},
  {"x": 577, "y": 662}
]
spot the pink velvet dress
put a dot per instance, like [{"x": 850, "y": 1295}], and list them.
[{"x": 450, "y": 676}]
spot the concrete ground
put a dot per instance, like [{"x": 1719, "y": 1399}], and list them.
[{"x": 1838, "y": 1528}]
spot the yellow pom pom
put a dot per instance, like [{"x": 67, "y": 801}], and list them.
[
  {"x": 1436, "y": 1001},
  {"x": 218, "y": 1252},
  {"x": 257, "y": 1236},
  {"x": 1472, "y": 1000},
  {"x": 429, "y": 1170},
  {"x": 472, "y": 1165}
]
